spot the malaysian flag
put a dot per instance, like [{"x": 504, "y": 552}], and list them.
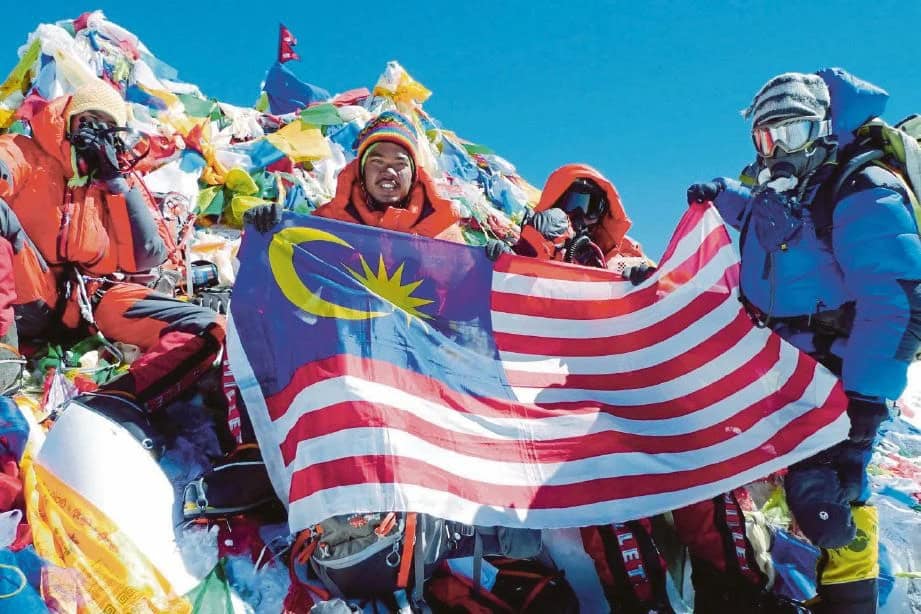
[{"x": 386, "y": 371}]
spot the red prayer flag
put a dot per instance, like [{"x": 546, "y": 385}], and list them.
[{"x": 286, "y": 43}]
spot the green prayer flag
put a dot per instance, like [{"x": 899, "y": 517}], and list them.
[
  {"x": 197, "y": 107},
  {"x": 211, "y": 200},
  {"x": 473, "y": 148},
  {"x": 212, "y": 596},
  {"x": 262, "y": 104},
  {"x": 325, "y": 114}
]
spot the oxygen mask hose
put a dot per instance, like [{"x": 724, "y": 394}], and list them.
[{"x": 582, "y": 250}]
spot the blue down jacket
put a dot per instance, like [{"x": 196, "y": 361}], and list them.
[{"x": 871, "y": 256}]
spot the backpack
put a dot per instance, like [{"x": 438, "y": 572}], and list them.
[
  {"x": 895, "y": 148},
  {"x": 381, "y": 554},
  {"x": 363, "y": 554},
  {"x": 511, "y": 585}
]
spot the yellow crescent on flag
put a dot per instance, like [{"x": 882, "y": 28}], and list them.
[{"x": 281, "y": 259}]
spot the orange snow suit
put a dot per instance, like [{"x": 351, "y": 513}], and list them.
[
  {"x": 610, "y": 234},
  {"x": 86, "y": 232}
]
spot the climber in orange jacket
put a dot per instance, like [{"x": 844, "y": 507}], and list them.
[
  {"x": 92, "y": 221},
  {"x": 592, "y": 232},
  {"x": 382, "y": 187},
  {"x": 580, "y": 219}
]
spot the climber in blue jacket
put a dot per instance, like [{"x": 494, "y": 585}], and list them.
[{"x": 835, "y": 268}]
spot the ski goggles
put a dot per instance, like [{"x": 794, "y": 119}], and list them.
[
  {"x": 791, "y": 136},
  {"x": 584, "y": 199}
]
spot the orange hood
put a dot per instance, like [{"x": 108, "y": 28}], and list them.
[
  {"x": 49, "y": 129},
  {"x": 610, "y": 232}
]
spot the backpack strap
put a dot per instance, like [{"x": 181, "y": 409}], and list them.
[
  {"x": 418, "y": 556},
  {"x": 409, "y": 543},
  {"x": 477, "y": 561},
  {"x": 852, "y": 167},
  {"x": 824, "y": 204},
  {"x": 409, "y": 554},
  {"x": 304, "y": 545}
]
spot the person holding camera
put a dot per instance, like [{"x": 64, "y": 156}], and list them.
[{"x": 91, "y": 222}]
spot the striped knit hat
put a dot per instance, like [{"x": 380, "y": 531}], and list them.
[
  {"x": 391, "y": 127},
  {"x": 787, "y": 96}
]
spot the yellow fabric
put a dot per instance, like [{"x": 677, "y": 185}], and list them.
[
  {"x": 239, "y": 181},
  {"x": 399, "y": 86},
  {"x": 238, "y": 206},
  {"x": 6, "y": 117},
  {"x": 214, "y": 172},
  {"x": 300, "y": 142},
  {"x": 70, "y": 532},
  {"x": 170, "y": 99},
  {"x": 97, "y": 95},
  {"x": 859, "y": 560},
  {"x": 21, "y": 74}
]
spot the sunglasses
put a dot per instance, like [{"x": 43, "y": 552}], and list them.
[{"x": 791, "y": 136}]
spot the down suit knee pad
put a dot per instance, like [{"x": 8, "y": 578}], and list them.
[
  {"x": 820, "y": 505},
  {"x": 859, "y": 559},
  {"x": 847, "y": 576}
]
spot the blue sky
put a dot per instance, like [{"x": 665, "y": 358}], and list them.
[{"x": 647, "y": 92}]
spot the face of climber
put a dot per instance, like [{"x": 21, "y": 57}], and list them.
[
  {"x": 793, "y": 146},
  {"x": 388, "y": 173}
]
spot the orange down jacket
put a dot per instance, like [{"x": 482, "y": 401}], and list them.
[
  {"x": 84, "y": 225},
  {"x": 611, "y": 232}
]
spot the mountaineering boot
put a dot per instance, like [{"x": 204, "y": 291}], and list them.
[
  {"x": 848, "y": 575},
  {"x": 238, "y": 484}
]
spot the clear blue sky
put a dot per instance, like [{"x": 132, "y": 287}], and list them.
[{"x": 647, "y": 92}]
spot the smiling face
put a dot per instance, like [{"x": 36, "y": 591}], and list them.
[{"x": 388, "y": 173}]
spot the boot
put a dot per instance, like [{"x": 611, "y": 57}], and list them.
[{"x": 848, "y": 598}]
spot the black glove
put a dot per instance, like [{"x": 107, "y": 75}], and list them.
[
  {"x": 98, "y": 146},
  {"x": 703, "y": 192},
  {"x": 107, "y": 166},
  {"x": 551, "y": 224},
  {"x": 495, "y": 248},
  {"x": 639, "y": 273},
  {"x": 10, "y": 228},
  {"x": 216, "y": 299},
  {"x": 866, "y": 415},
  {"x": 851, "y": 463},
  {"x": 263, "y": 217}
]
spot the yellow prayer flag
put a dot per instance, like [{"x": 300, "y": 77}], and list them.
[{"x": 300, "y": 142}]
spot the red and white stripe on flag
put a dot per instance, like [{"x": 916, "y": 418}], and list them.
[{"x": 631, "y": 400}]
